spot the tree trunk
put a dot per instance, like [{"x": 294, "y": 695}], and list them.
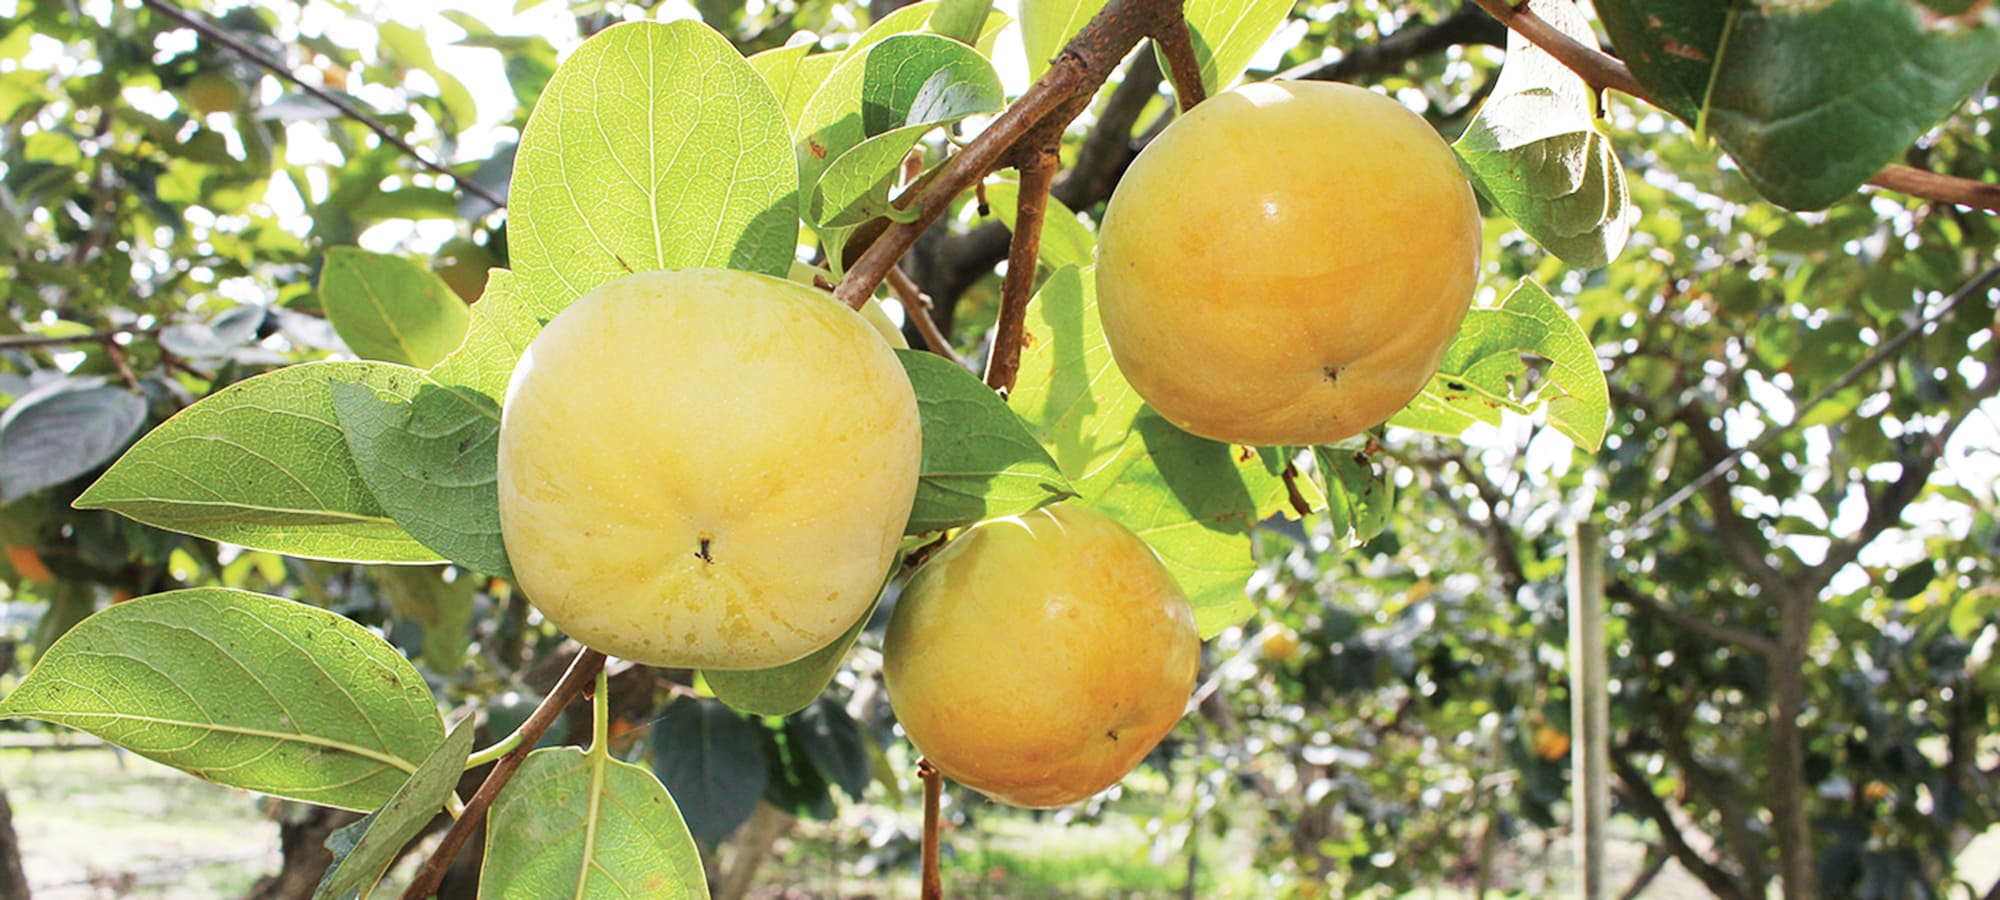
[
  {"x": 753, "y": 846},
  {"x": 302, "y": 840},
  {"x": 13, "y": 881},
  {"x": 1788, "y": 753}
]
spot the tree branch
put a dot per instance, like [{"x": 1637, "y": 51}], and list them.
[
  {"x": 1038, "y": 164},
  {"x": 581, "y": 674},
  {"x": 917, "y": 308},
  {"x": 19, "y": 341},
  {"x": 1714, "y": 631},
  {"x": 1634, "y": 788},
  {"x": 1468, "y": 25},
  {"x": 1603, "y": 71},
  {"x": 236, "y": 45},
  {"x": 933, "y": 884},
  {"x": 1060, "y": 94},
  {"x": 1178, "y": 44}
]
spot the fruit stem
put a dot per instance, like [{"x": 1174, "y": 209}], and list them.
[
  {"x": 1038, "y": 163},
  {"x": 600, "y": 717},
  {"x": 917, "y": 308},
  {"x": 933, "y": 884},
  {"x": 587, "y": 666}
]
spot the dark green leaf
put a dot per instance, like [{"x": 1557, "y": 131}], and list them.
[
  {"x": 61, "y": 430},
  {"x": 712, "y": 760},
  {"x": 245, "y": 690},
  {"x": 263, "y": 463},
  {"x": 433, "y": 462},
  {"x": 1911, "y": 581},
  {"x": 443, "y": 609},
  {"x": 832, "y": 740}
]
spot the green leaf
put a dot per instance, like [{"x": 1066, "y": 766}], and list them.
[
  {"x": 443, "y": 609},
  {"x": 1359, "y": 496},
  {"x": 960, "y": 20},
  {"x": 711, "y": 760},
  {"x": 1046, "y": 25},
  {"x": 434, "y": 462},
  {"x": 1194, "y": 501},
  {"x": 579, "y": 825},
  {"x": 1482, "y": 368},
  {"x": 833, "y": 742},
  {"x": 1228, "y": 33},
  {"x": 617, "y": 169},
  {"x": 370, "y": 846},
  {"x": 794, "y": 74},
  {"x": 245, "y": 690},
  {"x": 263, "y": 463},
  {"x": 1073, "y": 398},
  {"x": 388, "y": 308},
  {"x": 1535, "y": 151},
  {"x": 412, "y": 48},
  {"x": 979, "y": 460},
  {"x": 1811, "y": 99},
  {"x": 502, "y": 327},
  {"x": 61, "y": 430},
  {"x": 1066, "y": 241}
]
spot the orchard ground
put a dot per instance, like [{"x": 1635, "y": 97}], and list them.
[{"x": 94, "y": 822}]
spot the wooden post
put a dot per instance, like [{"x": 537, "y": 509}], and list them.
[{"x": 1590, "y": 709}]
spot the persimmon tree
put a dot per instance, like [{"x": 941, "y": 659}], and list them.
[{"x": 283, "y": 448}]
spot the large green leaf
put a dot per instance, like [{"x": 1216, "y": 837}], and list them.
[
  {"x": 1482, "y": 370},
  {"x": 433, "y": 461},
  {"x": 263, "y": 463},
  {"x": 388, "y": 308},
  {"x": 618, "y": 169},
  {"x": 61, "y": 430},
  {"x": 242, "y": 689},
  {"x": 1811, "y": 99},
  {"x": 910, "y": 84},
  {"x": 572, "y": 824},
  {"x": 794, "y": 74},
  {"x": 832, "y": 741},
  {"x": 1535, "y": 151},
  {"x": 979, "y": 460},
  {"x": 1194, "y": 501},
  {"x": 1068, "y": 391},
  {"x": 1228, "y": 33},
  {"x": 364, "y": 850},
  {"x": 711, "y": 760}
]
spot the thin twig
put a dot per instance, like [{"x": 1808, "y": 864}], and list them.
[
  {"x": 346, "y": 108},
  {"x": 1178, "y": 45},
  {"x": 1715, "y": 631},
  {"x": 1603, "y": 71},
  {"x": 117, "y": 355},
  {"x": 582, "y": 672},
  {"x": 933, "y": 883},
  {"x": 18, "y": 341},
  {"x": 1888, "y": 349},
  {"x": 917, "y": 308},
  {"x": 1038, "y": 166}
]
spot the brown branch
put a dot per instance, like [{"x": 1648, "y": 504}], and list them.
[
  {"x": 1468, "y": 25},
  {"x": 1633, "y": 786},
  {"x": 1060, "y": 94},
  {"x": 1038, "y": 164},
  {"x": 582, "y": 672},
  {"x": 1178, "y": 44},
  {"x": 236, "y": 45},
  {"x": 18, "y": 341},
  {"x": 1603, "y": 71},
  {"x": 917, "y": 308},
  {"x": 1714, "y": 631},
  {"x": 933, "y": 883},
  {"x": 117, "y": 356}
]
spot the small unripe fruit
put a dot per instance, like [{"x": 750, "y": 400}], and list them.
[
  {"x": 706, "y": 469},
  {"x": 1038, "y": 658},
  {"x": 1287, "y": 263}
]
